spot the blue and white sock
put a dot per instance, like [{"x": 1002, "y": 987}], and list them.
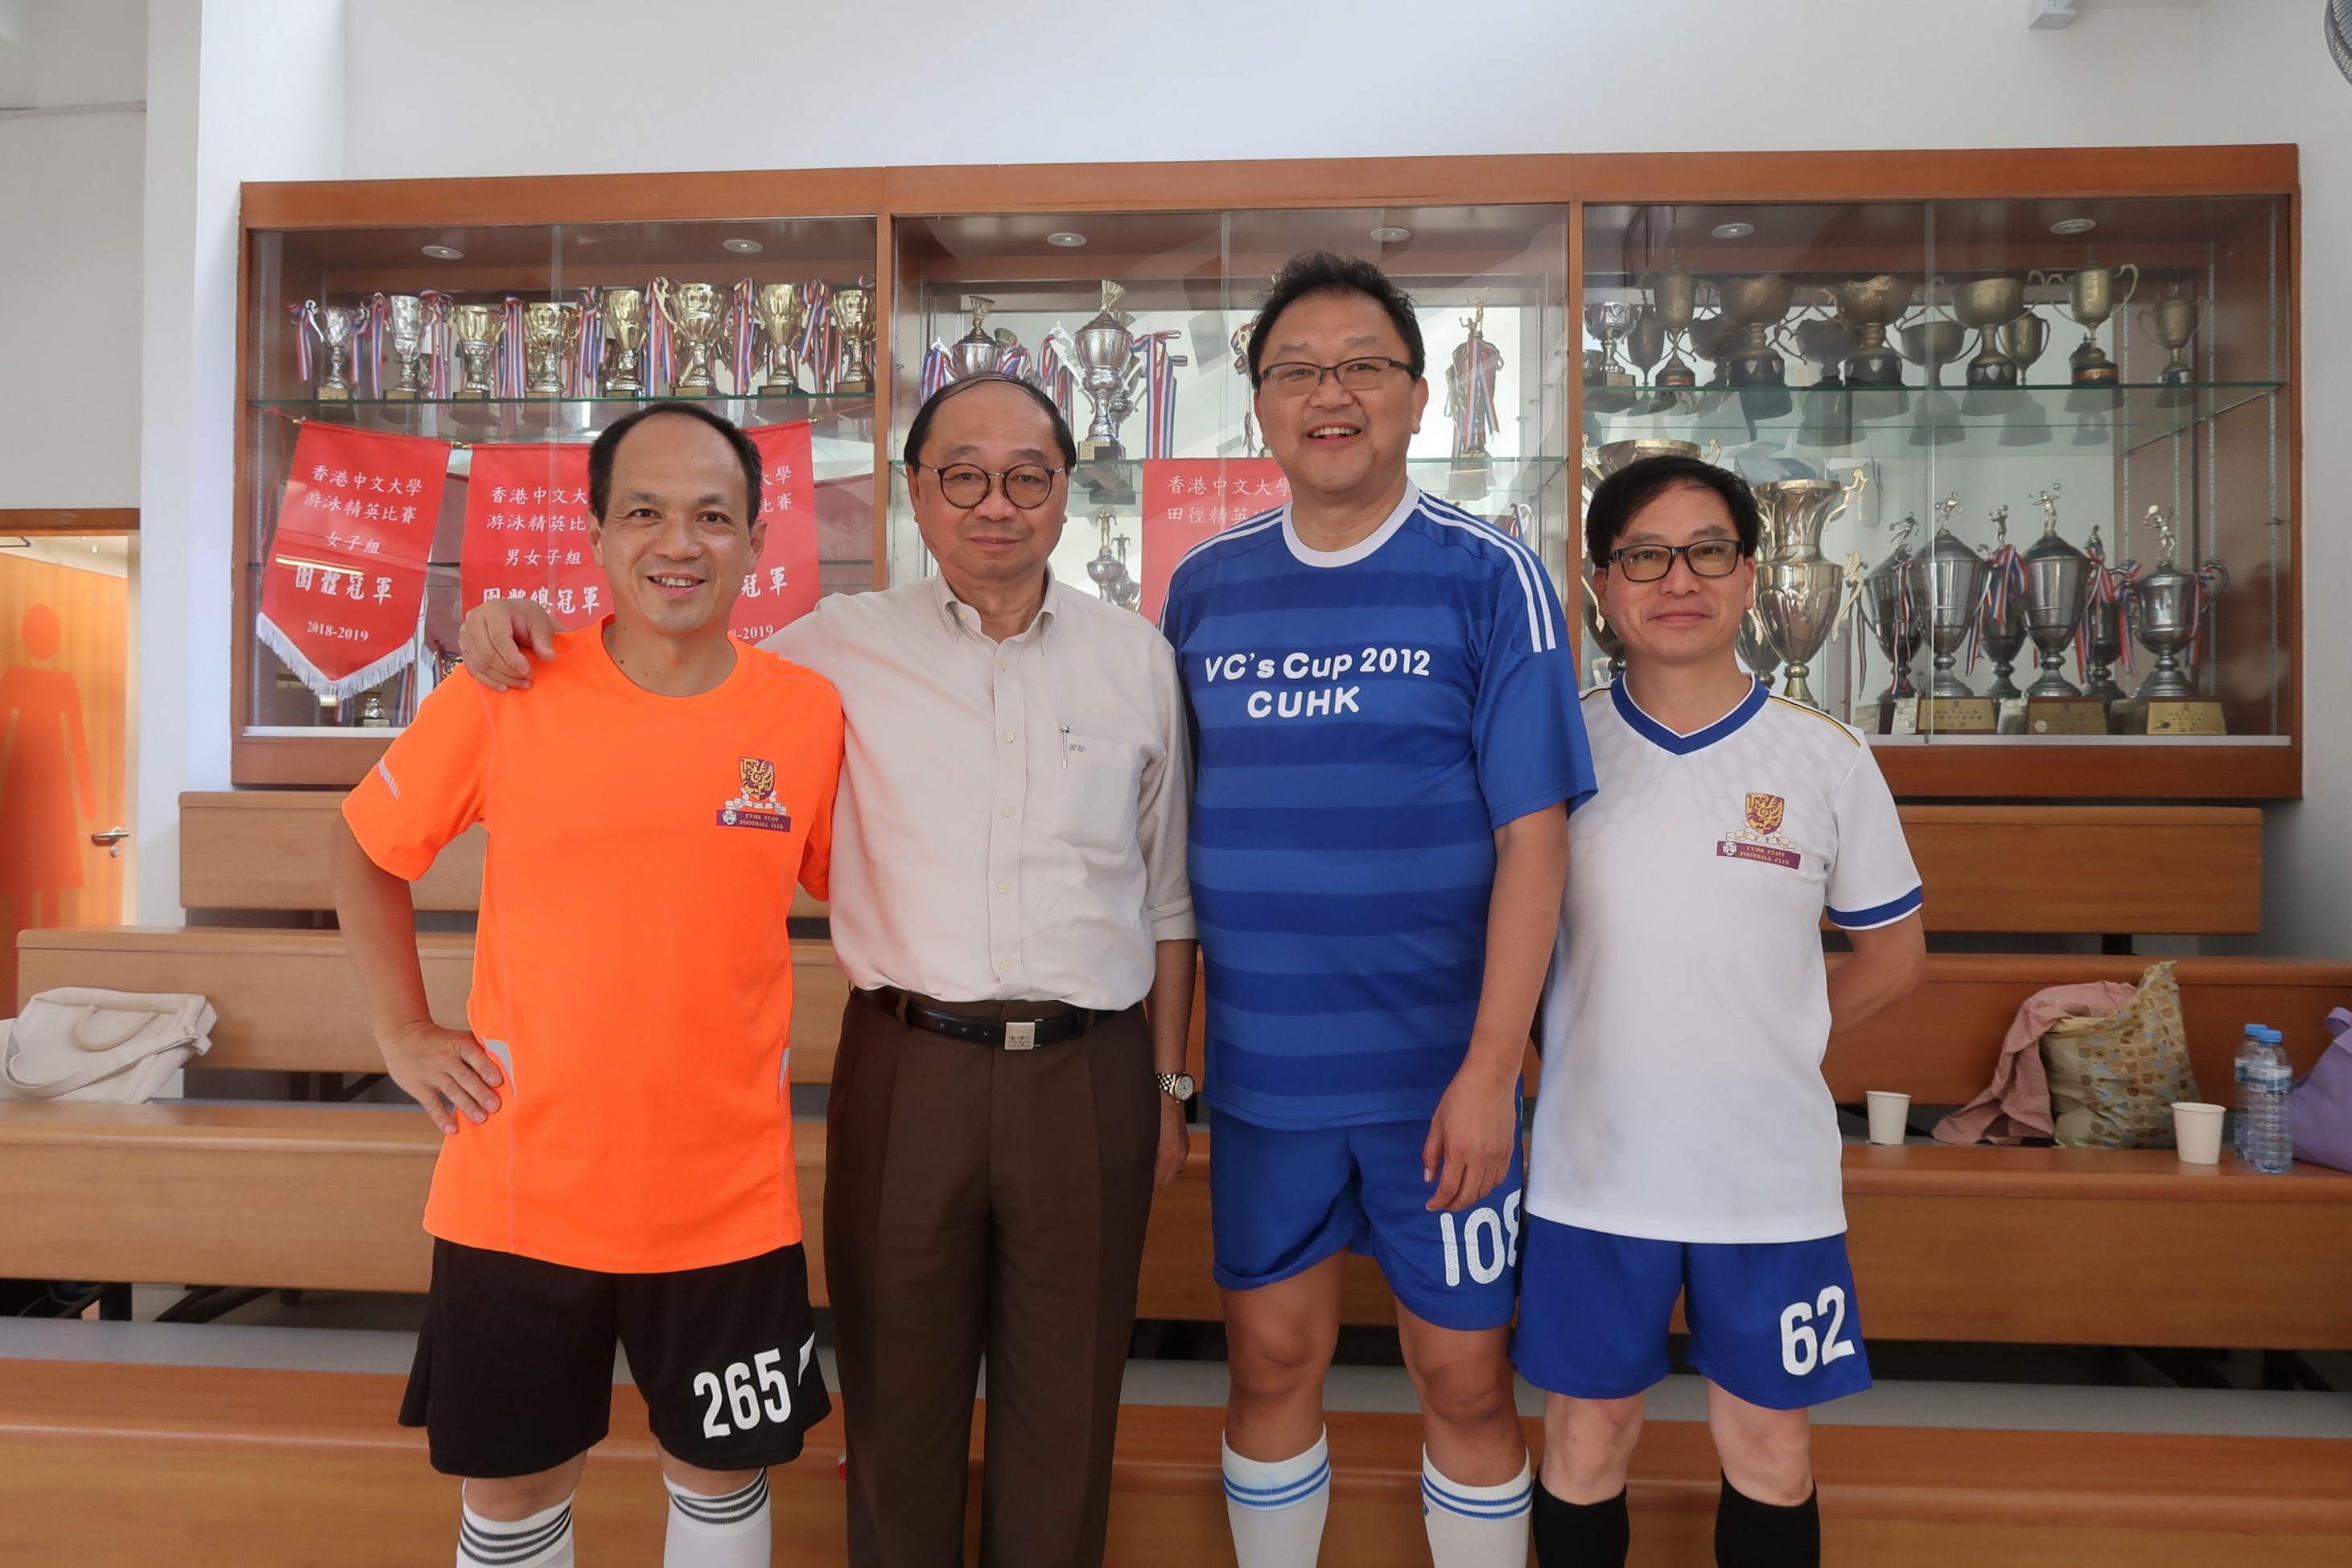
[
  {"x": 729, "y": 1531},
  {"x": 1276, "y": 1507},
  {"x": 541, "y": 1540},
  {"x": 1475, "y": 1526}
]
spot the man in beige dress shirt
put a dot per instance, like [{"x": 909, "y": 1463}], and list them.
[{"x": 1008, "y": 887}]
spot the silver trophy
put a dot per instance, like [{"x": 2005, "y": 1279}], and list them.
[
  {"x": 1107, "y": 571},
  {"x": 2002, "y": 631},
  {"x": 1797, "y": 592},
  {"x": 1947, "y": 584},
  {"x": 975, "y": 353},
  {"x": 1108, "y": 372},
  {"x": 1893, "y": 619},
  {"x": 409, "y": 333},
  {"x": 2165, "y": 607},
  {"x": 2103, "y": 630},
  {"x": 2057, "y": 586},
  {"x": 335, "y": 326}
]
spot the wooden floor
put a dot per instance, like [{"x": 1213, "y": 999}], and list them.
[{"x": 103, "y": 1466}]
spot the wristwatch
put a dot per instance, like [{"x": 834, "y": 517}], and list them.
[{"x": 1177, "y": 1086}]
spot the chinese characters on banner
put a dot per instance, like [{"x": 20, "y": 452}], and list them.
[
  {"x": 1187, "y": 499},
  {"x": 527, "y": 533},
  {"x": 783, "y": 585},
  {"x": 343, "y": 582}
]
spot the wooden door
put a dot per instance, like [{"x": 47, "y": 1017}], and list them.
[{"x": 63, "y": 649}]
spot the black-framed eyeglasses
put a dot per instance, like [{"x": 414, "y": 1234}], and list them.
[
  {"x": 1297, "y": 378},
  {"x": 964, "y": 485},
  {"x": 1705, "y": 558}
]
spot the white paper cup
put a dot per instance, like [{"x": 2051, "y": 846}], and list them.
[
  {"x": 1888, "y": 1113},
  {"x": 2196, "y": 1130}
]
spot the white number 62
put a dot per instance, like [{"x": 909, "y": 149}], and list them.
[{"x": 1800, "y": 1349}]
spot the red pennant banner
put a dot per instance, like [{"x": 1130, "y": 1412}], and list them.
[
  {"x": 781, "y": 586},
  {"x": 527, "y": 533},
  {"x": 344, "y": 584},
  {"x": 1187, "y": 500}
]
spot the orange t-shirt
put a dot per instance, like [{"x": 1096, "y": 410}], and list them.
[{"x": 633, "y": 967}]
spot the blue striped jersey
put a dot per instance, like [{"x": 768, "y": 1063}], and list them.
[{"x": 1363, "y": 721}]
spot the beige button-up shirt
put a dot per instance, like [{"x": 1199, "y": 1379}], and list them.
[{"x": 1011, "y": 816}]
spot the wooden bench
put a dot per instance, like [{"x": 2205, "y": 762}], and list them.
[
  {"x": 2170, "y": 870},
  {"x": 289, "y": 1000},
  {"x": 2059, "y": 1245},
  {"x": 266, "y": 1465}
]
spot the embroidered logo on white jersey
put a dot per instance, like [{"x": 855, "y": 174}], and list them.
[{"x": 1760, "y": 838}]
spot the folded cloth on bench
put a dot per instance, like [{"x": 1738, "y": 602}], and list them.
[
  {"x": 113, "y": 1047},
  {"x": 2016, "y": 1104}
]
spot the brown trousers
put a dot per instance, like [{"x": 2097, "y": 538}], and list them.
[{"x": 978, "y": 1200}]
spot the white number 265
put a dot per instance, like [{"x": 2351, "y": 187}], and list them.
[
  {"x": 741, "y": 1394},
  {"x": 1802, "y": 1350}
]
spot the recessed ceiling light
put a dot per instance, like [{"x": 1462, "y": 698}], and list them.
[
  {"x": 1733, "y": 231},
  {"x": 445, "y": 253},
  {"x": 1389, "y": 234},
  {"x": 743, "y": 246},
  {"x": 2073, "y": 225},
  {"x": 1068, "y": 239}
]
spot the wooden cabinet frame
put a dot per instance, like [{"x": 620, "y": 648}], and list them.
[{"x": 2271, "y": 771}]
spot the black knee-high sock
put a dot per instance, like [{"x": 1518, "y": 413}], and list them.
[
  {"x": 1752, "y": 1535},
  {"x": 1580, "y": 1534}
]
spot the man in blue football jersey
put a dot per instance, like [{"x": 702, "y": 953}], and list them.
[{"x": 1388, "y": 745}]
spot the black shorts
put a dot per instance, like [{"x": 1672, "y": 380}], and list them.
[{"x": 514, "y": 1367}]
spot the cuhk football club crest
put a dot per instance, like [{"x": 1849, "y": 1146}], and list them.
[
  {"x": 1757, "y": 838},
  {"x": 1764, "y": 813},
  {"x": 756, "y": 806}
]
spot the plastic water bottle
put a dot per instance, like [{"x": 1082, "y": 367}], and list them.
[
  {"x": 2270, "y": 1146},
  {"x": 2248, "y": 1049}
]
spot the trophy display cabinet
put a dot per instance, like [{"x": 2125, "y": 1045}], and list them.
[{"x": 2022, "y": 424}]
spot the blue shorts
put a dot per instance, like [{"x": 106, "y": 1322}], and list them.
[
  {"x": 1282, "y": 1199},
  {"x": 1772, "y": 1322}
]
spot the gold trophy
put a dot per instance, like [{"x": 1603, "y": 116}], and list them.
[
  {"x": 2172, "y": 321},
  {"x": 1986, "y": 306},
  {"x": 2091, "y": 298},
  {"x": 697, "y": 312},
  {"x": 476, "y": 328},
  {"x": 1676, "y": 294},
  {"x": 852, "y": 307},
  {"x": 783, "y": 311},
  {"x": 623, "y": 314},
  {"x": 549, "y": 331},
  {"x": 1869, "y": 305}
]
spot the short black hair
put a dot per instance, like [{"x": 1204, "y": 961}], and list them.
[
  {"x": 1323, "y": 272},
  {"x": 1621, "y": 497},
  {"x": 921, "y": 431},
  {"x": 600, "y": 456}
]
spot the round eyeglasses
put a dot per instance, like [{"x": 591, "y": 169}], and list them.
[
  {"x": 1705, "y": 558},
  {"x": 964, "y": 485}
]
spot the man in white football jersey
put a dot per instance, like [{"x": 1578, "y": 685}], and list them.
[{"x": 1685, "y": 1142}]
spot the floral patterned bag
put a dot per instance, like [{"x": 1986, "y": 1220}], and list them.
[{"x": 2113, "y": 1079}]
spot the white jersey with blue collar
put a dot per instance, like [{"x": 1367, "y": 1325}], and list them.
[{"x": 1688, "y": 1009}]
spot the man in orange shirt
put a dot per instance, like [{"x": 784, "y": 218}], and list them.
[{"x": 618, "y": 1153}]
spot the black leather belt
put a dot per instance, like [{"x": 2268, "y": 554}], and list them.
[{"x": 987, "y": 1023}]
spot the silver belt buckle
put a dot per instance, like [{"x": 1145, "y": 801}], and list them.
[{"x": 1021, "y": 1036}]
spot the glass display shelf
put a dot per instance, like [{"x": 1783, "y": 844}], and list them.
[
  {"x": 556, "y": 418},
  {"x": 1894, "y": 422}
]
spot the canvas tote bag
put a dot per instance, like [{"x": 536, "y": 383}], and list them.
[
  {"x": 2113, "y": 1079},
  {"x": 111, "y": 1047}
]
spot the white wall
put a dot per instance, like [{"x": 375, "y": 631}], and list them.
[
  {"x": 72, "y": 146},
  {"x": 237, "y": 90}
]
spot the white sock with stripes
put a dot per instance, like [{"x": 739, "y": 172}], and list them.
[
  {"x": 1276, "y": 1507},
  {"x": 542, "y": 1541},
  {"x": 729, "y": 1531},
  {"x": 1475, "y": 1526}
]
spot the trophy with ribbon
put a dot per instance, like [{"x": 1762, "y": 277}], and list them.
[
  {"x": 2168, "y": 608},
  {"x": 853, "y": 313},
  {"x": 1107, "y": 373},
  {"x": 334, "y": 328},
  {"x": 1894, "y": 617},
  {"x": 1470, "y": 403},
  {"x": 1107, "y": 571},
  {"x": 1948, "y": 581},
  {"x": 695, "y": 314},
  {"x": 1240, "y": 340},
  {"x": 478, "y": 328},
  {"x": 975, "y": 353},
  {"x": 782, "y": 310},
  {"x": 622, "y": 314},
  {"x": 409, "y": 333},
  {"x": 550, "y": 330},
  {"x": 2000, "y": 624}
]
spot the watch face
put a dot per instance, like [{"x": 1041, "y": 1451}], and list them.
[{"x": 1183, "y": 1086}]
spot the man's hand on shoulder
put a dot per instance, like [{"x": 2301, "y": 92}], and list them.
[
  {"x": 443, "y": 1069},
  {"x": 495, "y": 636}
]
